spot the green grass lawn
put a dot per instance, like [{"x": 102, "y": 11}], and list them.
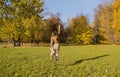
[{"x": 75, "y": 61}]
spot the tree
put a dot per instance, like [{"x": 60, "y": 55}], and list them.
[
  {"x": 33, "y": 30},
  {"x": 20, "y": 11},
  {"x": 52, "y": 24},
  {"x": 96, "y": 30},
  {"x": 78, "y": 26},
  {"x": 103, "y": 24},
  {"x": 116, "y": 19}
]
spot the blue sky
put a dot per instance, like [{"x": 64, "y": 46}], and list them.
[{"x": 71, "y": 8}]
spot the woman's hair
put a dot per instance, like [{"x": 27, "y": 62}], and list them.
[{"x": 54, "y": 33}]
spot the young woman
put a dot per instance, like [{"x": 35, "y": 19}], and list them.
[{"x": 54, "y": 44}]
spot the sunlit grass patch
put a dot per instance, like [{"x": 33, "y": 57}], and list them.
[{"x": 75, "y": 61}]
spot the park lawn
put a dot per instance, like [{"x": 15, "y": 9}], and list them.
[{"x": 75, "y": 61}]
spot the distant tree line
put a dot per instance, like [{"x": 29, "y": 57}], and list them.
[{"x": 21, "y": 21}]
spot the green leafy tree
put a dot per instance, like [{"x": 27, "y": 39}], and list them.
[{"x": 19, "y": 12}]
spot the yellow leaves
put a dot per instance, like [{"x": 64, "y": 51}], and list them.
[
  {"x": 116, "y": 18},
  {"x": 85, "y": 38},
  {"x": 116, "y": 4},
  {"x": 78, "y": 26}
]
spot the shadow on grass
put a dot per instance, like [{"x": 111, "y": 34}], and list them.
[{"x": 82, "y": 60}]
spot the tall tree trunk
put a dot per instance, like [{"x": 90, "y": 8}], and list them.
[
  {"x": 19, "y": 41},
  {"x": 14, "y": 41}
]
